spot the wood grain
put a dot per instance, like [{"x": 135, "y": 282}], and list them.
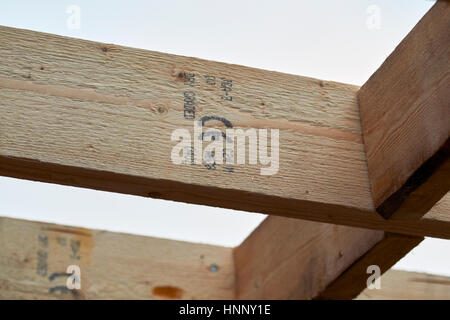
[
  {"x": 294, "y": 259},
  {"x": 100, "y": 116},
  {"x": 384, "y": 254},
  {"x": 405, "y": 114},
  {"x": 34, "y": 258},
  {"x": 404, "y": 285},
  {"x": 282, "y": 259}
]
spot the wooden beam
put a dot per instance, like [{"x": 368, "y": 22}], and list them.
[
  {"x": 405, "y": 114},
  {"x": 404, "y": 285},
  {"x": 282, "y": 259},
  {"x": 293, "y": 259},
  {"x": 384, "y": 254},
  {"x": 34, "y": 258},
  {"x": 101, "y": 116}
]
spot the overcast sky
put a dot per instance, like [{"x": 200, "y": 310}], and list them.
[{"x": 342, "y": 41}]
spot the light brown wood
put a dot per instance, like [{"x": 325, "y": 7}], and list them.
[
  {"x": 34, "y": 257},
  {"x": 405, "y": 114},
  {"x": 282, "y": 259},
  {"x": 404, "y": 285},
  {"x": 293, "y": 259},
  {"x": 384, "y": 254},
  {"x": 100, "y": 116}
]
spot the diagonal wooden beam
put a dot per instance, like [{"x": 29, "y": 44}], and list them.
[
  {"x": 101, "y": 116},
  {"x": 384, "y": 254},
  {"x": 405, "y": 114},
  {"x": 293, "y": 259}
]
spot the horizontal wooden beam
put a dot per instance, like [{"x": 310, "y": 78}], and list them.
[
  {"x": 405, "y": 114},
  {"x": 404, "y": 285},
  {"x": 294, "y": 259},
  {"x": 282, "y": 259},
  {"x": 35, "y": 256},
  {"x": 101, "y": 116}
]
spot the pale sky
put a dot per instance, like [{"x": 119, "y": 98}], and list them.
[{"x": 330, "y": 40}]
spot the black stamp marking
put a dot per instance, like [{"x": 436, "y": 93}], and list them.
[
  {"x": 55, "y": 275},
  {"x": 189, "y": 105},
  {"x": 226, "y": 122},
  {"x": 42, "y": 263},
  {"x": 42, "y": 255},
  {"x": 189, "y": 79},
  {"x": 211, "y": 156},
  {"x": 61, "y": 241},
  {"x": 43, "y": 240},
  {"x": 211, "y": 80},
  {"x": 75, "y": 247},
  {"x": 226, "y": 86}
]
